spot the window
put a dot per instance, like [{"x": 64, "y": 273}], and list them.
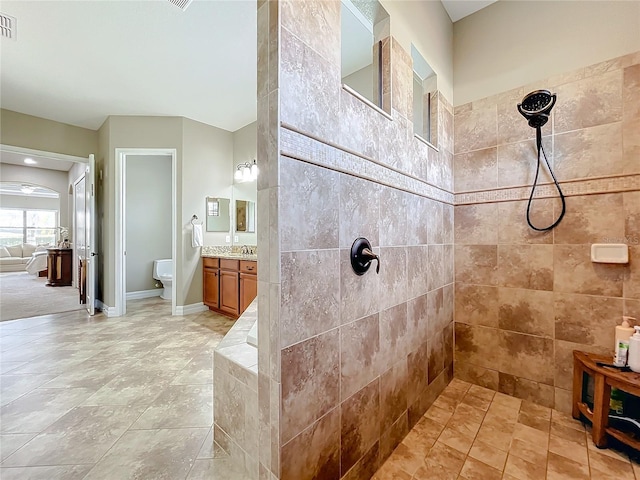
[
  {"x": 424, "y": 98},
  {"x": 364, "y": 26},
  {"x": 37, "y": 227}
]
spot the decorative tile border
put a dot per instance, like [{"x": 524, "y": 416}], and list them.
[
  {"x": 589, "y": 186},
  {"x": 304, "y": 147},
  {"x": 307, "y": 148}
]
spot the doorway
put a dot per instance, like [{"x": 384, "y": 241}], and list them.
[
  {"x": 145, "y": 222},
  {"x": 41, "y": 176}
]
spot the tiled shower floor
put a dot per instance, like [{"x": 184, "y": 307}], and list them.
[{"x": 473, "y": 433}]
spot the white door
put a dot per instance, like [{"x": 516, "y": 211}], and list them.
[
  {"x": 80, "y": 198},
  {"x": 90, "y": 234}
]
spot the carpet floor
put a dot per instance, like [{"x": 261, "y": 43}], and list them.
[{"x": 23, "y": 296}]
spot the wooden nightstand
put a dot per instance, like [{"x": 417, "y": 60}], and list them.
[{"x": 59, "y": 267}]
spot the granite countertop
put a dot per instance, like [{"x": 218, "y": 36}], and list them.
[
  {"x": 230, "y": 252},
  {"x": 231, "y": 256}
]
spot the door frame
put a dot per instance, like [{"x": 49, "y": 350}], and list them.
[
  {"x": 61, "y": 157},
  {"x": 120, "y": 223},
  {"x": 81, "y": 178}
]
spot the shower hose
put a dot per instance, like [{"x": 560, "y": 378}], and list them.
[{"x": 535, "y": 181}]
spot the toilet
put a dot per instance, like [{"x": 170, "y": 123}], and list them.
[{"x": 163, "y": 271}]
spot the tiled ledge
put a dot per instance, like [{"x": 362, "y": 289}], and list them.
[
  {"x": 235, "y": 399},
  {"x": 589, "y": 186},
  {"x": 234, "y": 355}
]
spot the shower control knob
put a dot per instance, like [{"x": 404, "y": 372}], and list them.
[{"x": 362, "y": 255}]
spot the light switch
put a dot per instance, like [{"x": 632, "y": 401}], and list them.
[
  {"x": 235, "y": 238},
  {"x": 228, "y": 238}
]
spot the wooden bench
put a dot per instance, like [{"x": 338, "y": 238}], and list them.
[{"x": 605, "y": 378}]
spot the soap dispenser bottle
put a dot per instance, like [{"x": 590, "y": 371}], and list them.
[
  {"x": 623, "y": 333},
  {"x": 634, "y": 350}
]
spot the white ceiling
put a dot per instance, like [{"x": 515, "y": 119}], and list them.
[
  {"x": 17, "y": 158},
  {"x": 458, "y": 9},
  {"x": 78, "y": 62}
]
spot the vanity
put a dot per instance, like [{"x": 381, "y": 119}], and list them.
[
  {"x": 230, "y": 283},
  {"x": 230, "y": 273}
]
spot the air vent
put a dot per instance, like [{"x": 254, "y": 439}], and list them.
[
  {"x": 7, "y": 26},
  {"x": 181, "y": 4}
]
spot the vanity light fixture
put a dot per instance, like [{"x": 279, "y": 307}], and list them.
[{"x": 246, "y": 172}]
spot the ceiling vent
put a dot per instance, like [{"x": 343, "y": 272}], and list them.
[
  {"x": 7, "y": 26},
  {"x": 181, "y": 4}
]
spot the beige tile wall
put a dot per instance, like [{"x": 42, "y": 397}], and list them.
[
  {"x": 525, "y": 300},
  {"x": 268, "y": 140},
  {"x": 351, "y": 362}
]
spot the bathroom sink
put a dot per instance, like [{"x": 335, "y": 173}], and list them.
[{"x": 239, "y": 255}]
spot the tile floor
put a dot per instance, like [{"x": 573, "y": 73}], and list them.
[
  {"x": 110, "y": 398},
  {"x": 473, "y": 433},
  {"x": 131, "y": 397}
]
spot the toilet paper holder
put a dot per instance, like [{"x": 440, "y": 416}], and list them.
[{"x": 362, "y": 255}]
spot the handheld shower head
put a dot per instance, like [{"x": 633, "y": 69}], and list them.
[{"x": 536, "y": 107}]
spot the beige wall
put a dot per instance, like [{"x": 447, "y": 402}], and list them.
[
  {"x": 130, "y": 132},
  {"x": 514, "y": 43},
  {"x": 52, "y": 179},
  {"x": 148, "y": 218},
  {"x": 26, "y": 131},
  {"x": 526, "y": 300},
  {"x": 428, "y": 26},
  {"x": 244, "y": 150},
  {"x": 207, "y": 170}
]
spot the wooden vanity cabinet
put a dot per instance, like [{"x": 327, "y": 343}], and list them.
[
  {"x": 229, "y": 285},
  {"x": 248, "y": 283},
  {"x": 211, "y": 275}
]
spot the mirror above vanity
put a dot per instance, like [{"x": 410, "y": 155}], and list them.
[
  {"x": 245, "y": 216},
  {"x": 217, "y": 214}
]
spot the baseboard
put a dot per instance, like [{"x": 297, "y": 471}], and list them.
[
  {"x": 106, "y": 309},
  {"x": 189, "y": 309},
  {"x": 156, "y": 292}
]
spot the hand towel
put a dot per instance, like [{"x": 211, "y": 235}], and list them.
[{"x": 196, "y": 235}]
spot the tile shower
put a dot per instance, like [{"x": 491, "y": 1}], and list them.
[
  {"x": 350, "y": 363},
  {"x": 353, "y": 362},
  {"x": 525, "y": 300}
]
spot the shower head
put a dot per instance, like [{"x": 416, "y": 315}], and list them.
[{"x": 536, "y": 107}]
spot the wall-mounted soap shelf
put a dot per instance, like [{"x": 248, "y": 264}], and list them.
[{"x": 609, "y": 253}]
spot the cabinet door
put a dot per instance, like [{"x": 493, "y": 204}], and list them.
[
  {"x": 211, "y": 287},
  {"x": 229, "y": 292},
  {"x": 248, "y": 290}
]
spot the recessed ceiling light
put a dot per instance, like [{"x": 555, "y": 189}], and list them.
[{"x": 30, "y": 161}]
